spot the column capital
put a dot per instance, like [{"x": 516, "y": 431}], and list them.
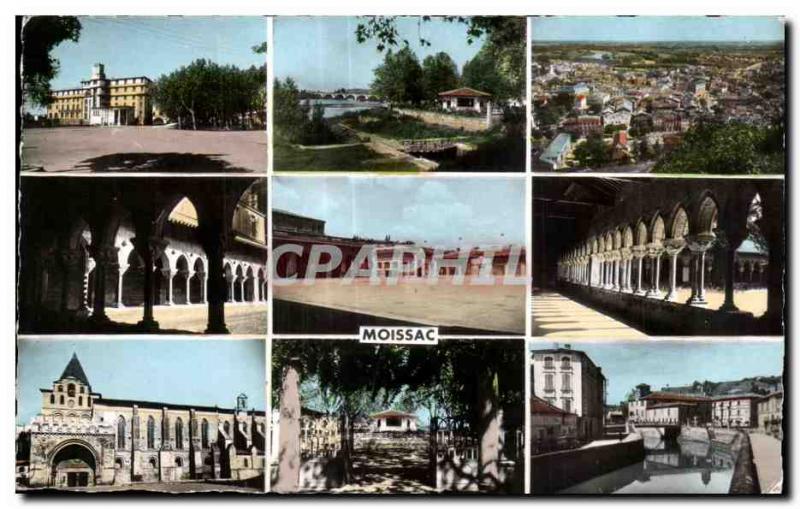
[
  {"x": 701, "y": 242},
  {"x": 674, "y": 246},
  {"x": 638, "y": 251}
]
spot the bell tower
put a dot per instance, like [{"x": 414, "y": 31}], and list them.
[{"x": 72, "y": 390}]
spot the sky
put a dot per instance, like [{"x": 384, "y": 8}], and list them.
[
  {"x": 675, "y": 363},
  {"x": 197, "y": 372},
  {"x": 417, "y": 209},
  {"x": 322, "y": 53},
  {"x": 152, "y": 46},
  {"x": 657, "y": 28}
]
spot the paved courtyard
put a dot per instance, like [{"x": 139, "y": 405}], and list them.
[
  {"x": 495, "y": 308},
  {"x": 555, "y": 316},
  {"x": 398, "y": 467},
  {"x": 240, "y": 318},
  {"x": 142, "y": 149}
]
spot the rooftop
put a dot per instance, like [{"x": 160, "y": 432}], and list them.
[
  {"x": 464, "y": 92},
  {"x": 392, "y": 413},
  {"x": 540, "y": 406},
  {"x": 142, "y": 150}
]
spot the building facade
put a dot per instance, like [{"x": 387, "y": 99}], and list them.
[
  {"x": 736, "y": 411},
  {"x": 770, "y": 415},
  {"x": 393, "y": 420},
  {"x": 552, "y": 428},
  {"x": 104, "y": 101},
  {"x": 81, "y": 438},
  {"x": 663, "y": 407},
  {"x": 569, "y": 380}
]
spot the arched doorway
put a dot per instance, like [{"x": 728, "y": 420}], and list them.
[
  {"x": 198, "y": 282},
  {"x": 73, "y": 466},
  {"x": 133, "y": 281},
  {"x": 180, "y": 282}
]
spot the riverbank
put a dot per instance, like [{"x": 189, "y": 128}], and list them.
[{"x": 768, "y": 459}]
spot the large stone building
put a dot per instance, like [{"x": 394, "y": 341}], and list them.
[
  {"x": 81, "y": 438},
  {"x": 736, "y": 411},
  {"x": 663, "y": 407},
  {"x": 569, "y": 380},
  {"x": 104, "y": 101},
  {"x": 770, "y": 414}
]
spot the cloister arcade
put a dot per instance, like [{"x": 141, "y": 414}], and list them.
[
  {"x": 91, "y": 244},
  {"x": 658, "y": 236}
]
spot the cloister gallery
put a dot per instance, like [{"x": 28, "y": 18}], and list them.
[
  {"x": 90, "y": 245},
  {"x": 650, "y": 252}
]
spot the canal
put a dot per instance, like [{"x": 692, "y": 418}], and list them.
[
  {"x": 669, "y": 467},
  {"x": 336, "y": 107}
]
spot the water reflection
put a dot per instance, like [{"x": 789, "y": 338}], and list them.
[
  {"x": 668, "y": 468},
  {"x": 336, "y": 107}
]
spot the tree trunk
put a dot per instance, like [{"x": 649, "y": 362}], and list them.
[
  {"x": 289, "y": 429},
  {"x": 489, "y": 430}
]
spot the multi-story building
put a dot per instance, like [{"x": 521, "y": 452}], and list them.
[
  {"x": 569, "y": 380},
  {"x": 668, "y": 407},
  {"x": 81, "y": 438},
  {"x": 104, "y": 101},
  {"x": 770, "y": 414},
  {"x": 736, "y": 411}
]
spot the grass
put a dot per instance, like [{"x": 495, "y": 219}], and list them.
[
  {"x": 358, "y": 158},
  {"x": 400, "y": 127}
]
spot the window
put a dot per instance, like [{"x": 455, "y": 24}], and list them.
[
  {"x": 71, "y": 390},
  {"x": 566, "y": 382},
  {"x": 204, "y": 434},
  {"x": 61, "y": 400},
  {"x": 548, "y": 382},
  {"x": 566, "y": 363},
  {"x": 548, "y": 363},
  {"x": 152, "y": 461},
  {"x": 179, "y": 434},
  {"x": 80, "y": 400},
  {"x": 121, "y": 432},
  {"x": 52, "y": 399},
  {"x": 566, "y": 405},
  {"x": 151, "y": 433}
]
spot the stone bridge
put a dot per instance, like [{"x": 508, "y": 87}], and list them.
[{"x": 342, "y": 96}]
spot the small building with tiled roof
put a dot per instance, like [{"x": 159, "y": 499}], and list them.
[
  {"x": 551, "y": 427},
  {"x": 465, "y": 99},
  {"x": 393, "y": 420}
]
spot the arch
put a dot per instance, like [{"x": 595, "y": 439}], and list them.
[
  {"x": 204, "y": 434},
  {"x": 617, "y": 238},
  {"x": 707, "y": 215},
  {"x": 197, "y": 284},
  {"x": 609, "y": 241},
  {"x": 73, "y": 463},
  {"x": 657, "y": 230},
  {"x": 627, "y": 236},
  {"x": 641, "y": 233},
  {"x": 678, "y": 223},
  {"x": 133, "y": 281},
  {"x": 180, "y": 281}
]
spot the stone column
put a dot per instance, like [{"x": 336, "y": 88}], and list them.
[
  {"x": 734, "y": 240},
  {"x": 104, "y": 258},
  {"x": 698, "y": 245},
  {"x": 73, "y": 275},
  {"x": 148, "y": 249},
  {"x": 214, "y": 243},
  {"x": 189, "y": 276},
  {"x": 205, "y": 288},
  {"x": 638, "y": 254},
  {"x": 654, "y": 252},
  {"x": 673, "y": 248},
  {"x": 169, "y": 274},
  {"x": 120, "y": 276}
]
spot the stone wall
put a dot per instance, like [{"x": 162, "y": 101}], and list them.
[
  {"x": 472, "y": 124},
  {"x": 659, "y": 317},
  {"x": 556, "y": 471}
]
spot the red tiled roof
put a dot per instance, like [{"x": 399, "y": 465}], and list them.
[
  {"x": 540, "y": 406},
  {"x": 392, "y": 413},
  {"x": 464, "y": 92}
]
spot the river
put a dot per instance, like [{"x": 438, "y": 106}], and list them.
[
  {"x": 668, "y": 468},
  {"x": 336, "y": 107}
]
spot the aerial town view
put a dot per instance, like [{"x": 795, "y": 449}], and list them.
[
  {"x": 666, "y": 417},
  {"x": 112, "y": 423},
  {"x": 399, "y": 93},
  {"x": 144, "y": 94},
  {"x": 433, "y": 251},
  {"x": 658, "y": 94},
  {"x": 439, "y": 419}
]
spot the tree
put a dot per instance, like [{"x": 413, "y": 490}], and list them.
[
  {"x": 206, "y": 94},
  {"x": 40, "y": 34},
  {"x": 439, "y": 74},
  {"x": 731, "y": 148},
  {"x": 399, "y": 78},
  {"x": 593, "y": 152}
]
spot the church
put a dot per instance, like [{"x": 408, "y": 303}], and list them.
[{"x": 81, "y": 438}]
